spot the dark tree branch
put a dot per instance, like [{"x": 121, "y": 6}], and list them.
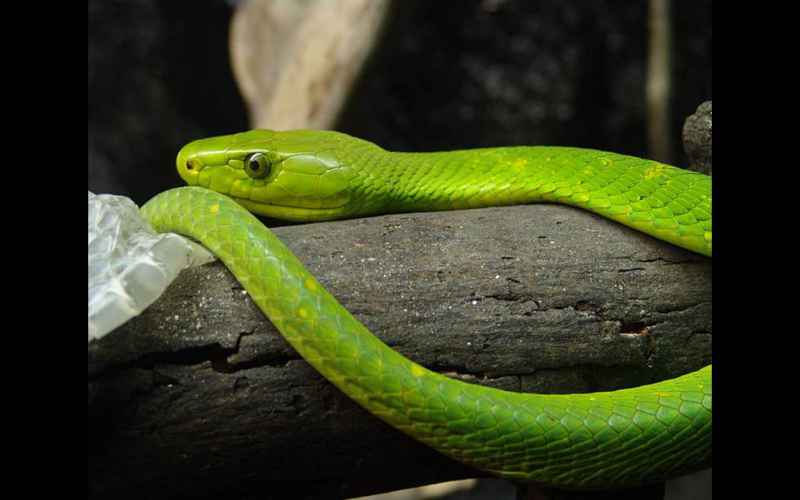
[{"x": 201, "y": 396}]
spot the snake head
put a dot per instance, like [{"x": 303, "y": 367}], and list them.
[{"x": 292, "y": 175}]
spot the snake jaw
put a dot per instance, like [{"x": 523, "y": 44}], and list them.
[{"x": 303, "y": 187}]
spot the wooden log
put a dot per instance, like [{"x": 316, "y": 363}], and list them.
[{"x": 201, "y": 396}]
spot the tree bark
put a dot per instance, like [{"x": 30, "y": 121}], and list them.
[{"x": 201, "y": 396}]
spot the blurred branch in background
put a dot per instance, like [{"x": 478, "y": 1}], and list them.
[
  {"x": 659, "y": 85},
  {"x": 465, "y": 489},
  {"x": 295, "y": 62}
]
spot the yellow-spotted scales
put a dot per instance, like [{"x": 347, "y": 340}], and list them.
[{"x": 596, "y": 440}]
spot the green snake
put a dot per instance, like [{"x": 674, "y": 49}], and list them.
[{"x": 587, "y": 441}]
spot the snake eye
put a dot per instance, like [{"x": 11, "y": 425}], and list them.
[{"x": 257, "y": 166}]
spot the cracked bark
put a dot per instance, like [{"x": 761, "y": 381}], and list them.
[{"x": 201, "y": 396}]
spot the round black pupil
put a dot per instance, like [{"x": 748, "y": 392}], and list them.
[{"x": 254, "y": 165}]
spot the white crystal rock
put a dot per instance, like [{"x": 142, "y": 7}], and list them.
[{"x": 130, "y": 265}]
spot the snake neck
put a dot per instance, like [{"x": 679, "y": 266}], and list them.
[
  {"x": 666, "y": 202},
  {"x": 452, "y": 180}
]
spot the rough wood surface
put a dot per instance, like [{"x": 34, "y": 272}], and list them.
[{"x": 201, "y": 396}]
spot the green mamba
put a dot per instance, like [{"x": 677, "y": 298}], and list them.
[{"x": 588, "y": 441}]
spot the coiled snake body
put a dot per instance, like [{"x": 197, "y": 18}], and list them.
[{"x": 596, "y": 440}]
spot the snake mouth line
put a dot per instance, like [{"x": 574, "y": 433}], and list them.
[
  {"x": 292, "y": 213},
  {"x": 283, "y": 205}
]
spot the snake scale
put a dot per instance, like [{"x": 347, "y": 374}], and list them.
[{"x": 585, "y": 441}]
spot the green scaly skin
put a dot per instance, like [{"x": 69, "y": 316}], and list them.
[{"x": 598, "y": 440}]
